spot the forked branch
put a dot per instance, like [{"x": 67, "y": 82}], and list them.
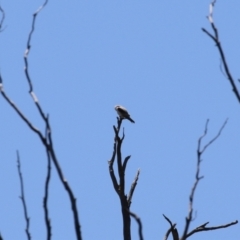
[
  {"x": 204, "y": 228},
  {"x": 215, "y": 37},
  {"x": 139, "y": 222},
  {"x": 200, "y": 151},
  {"x": 119, "y": 185},
  {"x": 47, "y": 139},
  {"x": 172, "y": 230}
]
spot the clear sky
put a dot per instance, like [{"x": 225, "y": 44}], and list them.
[{"x": 152, "y": 58}]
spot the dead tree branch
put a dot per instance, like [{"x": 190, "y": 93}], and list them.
[
  {"x": 45, "y": 198},
  {"x": 200, "y": 151},
  {"x": 119, "y": 187},
  {"x": 204, "y": 228},
  {"x": 215, "y": 38},
  {"x": 46, "y": 140},
  {"x": 27, "y": 51},
  {"x": 134, "y": 184},
  {"x": 172, "y": 230},
  {"x": 22, "y": 197},
  {"x": 139, "y": 222}
]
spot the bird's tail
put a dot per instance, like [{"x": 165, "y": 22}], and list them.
[{"x": 131, "y": 120}]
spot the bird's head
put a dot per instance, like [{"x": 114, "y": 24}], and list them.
[{"x": 117, "y": 107}]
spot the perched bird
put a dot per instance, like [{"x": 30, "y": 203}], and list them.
[{"x": 123, "y": 113}]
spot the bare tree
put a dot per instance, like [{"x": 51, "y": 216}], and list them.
[
  {"x": 117, "y": 158},
  {"x": 119, "y": 186},
  {"x": 46, "y": 138}
]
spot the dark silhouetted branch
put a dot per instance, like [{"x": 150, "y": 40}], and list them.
[
  {"x": 204, "y": 228},
  {"x": 172, "y": 230},
  {"x": 125, "y": 162},
  {"x": 200, "y": 151},
  {"x": 22, "y": 197},
  {"x": 67, "y": 187},
  {"x": 119, "y": 187},
  {"x": 26, "y": 68},
  {"x": 45, "y": 198},
  {"x": 215, "y": 38},
  {"x": 28, "y": 50},
  {"x": 47, "y": 140},
  {"x": 139, "y": 222},
  {"x": 111, "y": 162},
  {"x": 21, "y": 115},
  {"x": 134, "y": 184}
]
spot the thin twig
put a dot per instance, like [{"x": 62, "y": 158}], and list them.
[
  {"x": 29, "y": 46},
  {"x": 200, "y": 151},
  {"x": 168, "y": 220},
  {"x": 125, "y": 162},
  {"x": 139, "y": 222},
  {"x": 204, "y": 228},
  {"x": 215, "y": 138},
  {"x": 47, "y": 142},
  {"x": 26, "y": 68},
  {"x": 21, "y": 115},
  {"x": 134, "y": 184},
  {"x": 111, "y": 161},
  {"x": 22, "y": 197},
  {"x": 215, "y": 38}
]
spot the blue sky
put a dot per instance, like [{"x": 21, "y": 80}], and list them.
[{"x": 152, "y": 58}]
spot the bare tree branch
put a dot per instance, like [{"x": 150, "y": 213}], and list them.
[
  {"x": 26, "y": 69},
  {"x": 45, "y": 198},
  {"x": 139, "y": 222},
  {"x": 47, "y": 141},
  {"x": 200, "y": 151},
  {"x": 211, "y": 141},
  {"x": 111, "y": 162},
  {"x": 215, "y": 38},
  {"x": 125, "y": 162},
  {"x": 120, "y": 187},
  {"x": 67, "y": 187},
  {"x": 22, "y": 197},
  {"x": 172, "y": 230},
  {"x": 21, "y": 115},
  {"x": 49, "y": 147},
  {"x": 134, "y": 184},
  {"x": 204, "y": 228}
]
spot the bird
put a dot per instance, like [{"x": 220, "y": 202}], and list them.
[{"x": 123, "y": 113}]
